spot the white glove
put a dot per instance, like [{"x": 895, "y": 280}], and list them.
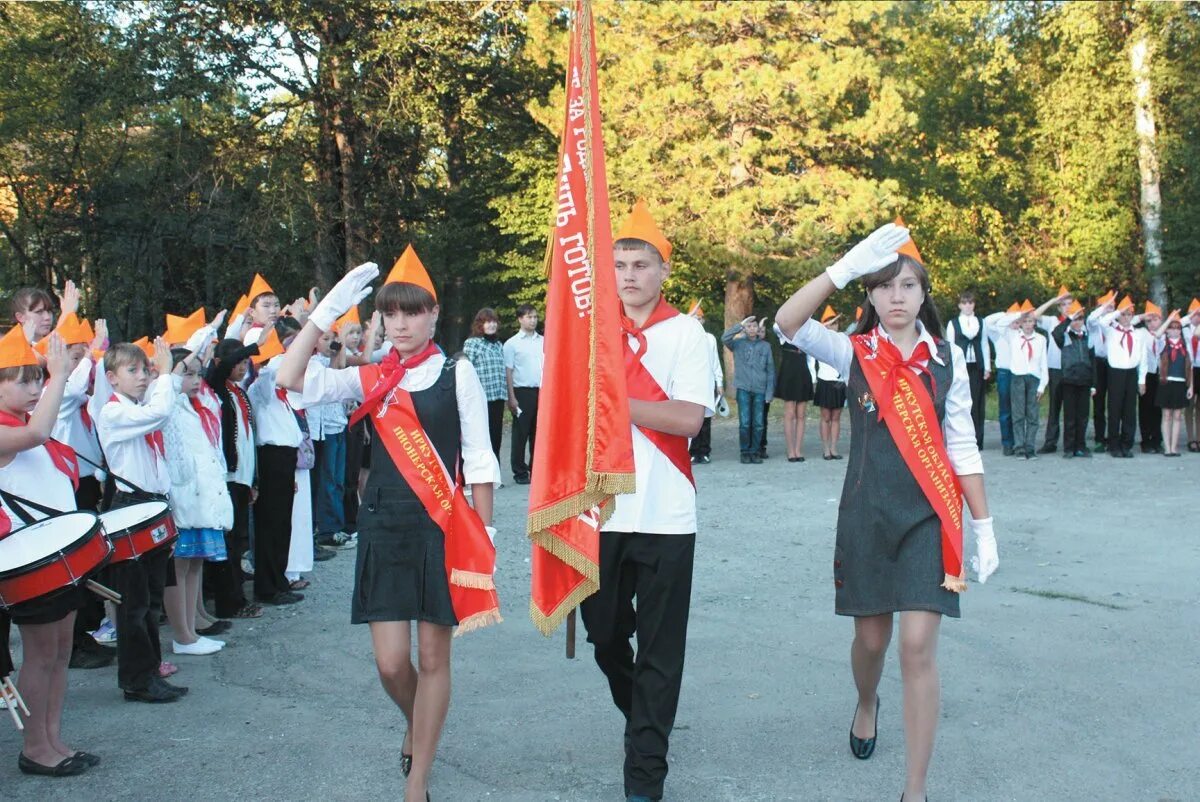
[
  {"x": 491, "y": 532},
  {"x": 351, "y": 290},
  {"x": 986, "y": 559},
  {"x": 874, "y": 253}
]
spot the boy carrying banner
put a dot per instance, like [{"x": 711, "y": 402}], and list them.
[{"x": 646, "y": 548}]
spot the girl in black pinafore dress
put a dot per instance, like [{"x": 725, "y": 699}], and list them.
[
  {"x": 401, "y": 568},
  {"x": 893, "y": 552}
]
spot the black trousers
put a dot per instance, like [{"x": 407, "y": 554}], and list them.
[
  {"x": 1122, "y": 407},
  {"x": 273, "y": 519},
  {"x": 496, "y": 423},
  {"x": 1055, "y": 410},
  {"x": 657, "y": 570},
  {"x": 701, "y": 445},
  {"x": 228, "y": 581},
  {"x": 1150, "y": 415},
  {"x": 140, "y": 583},
  {"x": 87, "y": 497},
  {"x": 1100, "y": 402},
  {"x": 762, "y": 449},
  {"x": 524, "y": 429},
  {"x": 978, "y": 399},
  {"x": 354, "y": 460},
  {"x": 1075, "y": 417}
]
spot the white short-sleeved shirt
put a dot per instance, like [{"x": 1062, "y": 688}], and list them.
[
  {"x": 524, "y": 355},
  {"x": 958, "y": 427},
  {"x": 32, "y": 476},
  {"x": 665, "y": 502}
]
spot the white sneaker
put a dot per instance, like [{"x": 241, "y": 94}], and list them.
[
  {"x": 342, "y": 540},
  {"x": 220, "y": 643},
  {"x": 106, "y": 633},
  {"x": 199, "y": 647}
]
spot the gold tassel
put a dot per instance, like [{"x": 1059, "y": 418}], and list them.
[
  {"x": 956, "y": 584},
  {"x": 471, "y": 579},
  {"x": 478, "y": 621}
]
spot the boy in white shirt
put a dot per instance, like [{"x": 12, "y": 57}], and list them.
[
  {"x": 1027, "y": 352},
  {"x": 966, "y": 331},
  {"x": 1126, "y": 370}
]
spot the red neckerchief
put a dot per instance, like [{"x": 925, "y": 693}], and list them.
[
  {"x": 392, "y": 370},
  {"x": 212, "y": 426},
  {"x": 282, "y": 395},
  {"x": 1127, "y": 338},
  {"x": 5, "y": 523},
  {"x": 83, "y": 409},
  {"x": 644, "y": 387},
  {"x": 1028, "y": 347},
  {"x": 61, "y": 454},
  {"x": 1176, "y": 348},
  {"x": 154, "y": 440},
  {"x": 242, "y": 403}
]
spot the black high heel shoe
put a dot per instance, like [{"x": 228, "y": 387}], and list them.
[{"x": 863, "y": 748}]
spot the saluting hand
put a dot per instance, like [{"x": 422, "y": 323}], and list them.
[
  {"x": 58, "y": 361},
  {"x": 349, "y": 291},
  {"x": 162, "y": 361},
  {"x": 874, "y": 253}
]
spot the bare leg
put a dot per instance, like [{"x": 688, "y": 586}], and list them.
[
  {"x": 922, "y": 691},
  {"x": 64, "y": 635},
  {"x": 1168, "y": 435},
  {"x": 36, "y": 685},
  {"x": 825, "y": 425},
  {"x": 195, "y": 579},
  {"x": 872, "y": 634},
  {"x": 789, "y": 428},
  {"x": 801, "y": 412},
  {"x": 176, "y": 602},
  {"x": 431, "y": 704},
  {"x": 392, "y": 641},
  {"x": 835, "y": 429}
]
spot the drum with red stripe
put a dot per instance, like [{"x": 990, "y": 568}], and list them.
[
  {"x": 139, "y": 529},
  {"x": 51, "y": 555}
]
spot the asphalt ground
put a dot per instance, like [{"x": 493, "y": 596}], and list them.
[{"x": 1072, "y": 675}]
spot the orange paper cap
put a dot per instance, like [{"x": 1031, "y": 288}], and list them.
[
  {"x": 258, "y": 287},
  {"x": 1194, "y": 305},
  {"x": 858, "y": 314},
  {"x": 1063, "y": 290},
  {"x": 828, "y": 314},
  {"x": 909, "y": 248},
  {"x": 640, "y": 225},
  {"x": 1126, "y": 303},
  {"x": 146, "y": 346},
  {"x": 1013, "y": 309},
  {"x": 409, "y": 270},
  {"x": 240, "y": 307},
  {"x": 1107, "y": 297},
  {"x": 1074, "y": 309},
  {"x": 696, "y": 308},
  {"x": 268, "y": 349},
  {"x": 1153, "y": 309},
  {"x": 15, "y": 351},
  {"x": 72, "y": 330},
  {"x": 349, "y": 318},
  {"x": 179, "y": 329},
  {"x": 1027, "y": 306}
]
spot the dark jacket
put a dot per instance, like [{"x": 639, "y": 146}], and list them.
[{"x": 1078, "y": 366}]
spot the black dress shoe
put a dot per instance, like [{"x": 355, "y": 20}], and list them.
[
  {"x": 181, "y": 690},
  {"x": 216, "y": 628},
  {"x": 405, "y": 764},
  {"x": 863, "y": 748},
  {"x": 154, "y": 693},
  {"x": 66, "y": 767},
  {"x": 88, "y": 758},
  {"x": 84, "y": 658},
  {"x": 284, "y": 597},
  {"x": 1047, "y": 449},
  {"x": 745, "y": 459},
  {"x": 755, "y": 459},
  {"x": 521, "y": 480}
]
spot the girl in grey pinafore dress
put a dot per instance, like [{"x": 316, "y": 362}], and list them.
[{"x": 888, "y": 556}]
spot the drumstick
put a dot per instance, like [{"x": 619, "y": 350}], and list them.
[
  {"x": 103, "y": 592},
  {"x": 12, "y": 689},
  {"x": 11, "y": 704}
]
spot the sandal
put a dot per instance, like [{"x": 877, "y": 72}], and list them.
[
  {"x": 299, "y": 584},
  {"x": 166, "y": 669},
  {"x": 249, "y": 610}
]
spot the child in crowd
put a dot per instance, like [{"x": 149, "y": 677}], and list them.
[
  {"x": 1078, "y": 380},
  {"x": 966, "y": 331},
  {"x": 351, "y": 334},
  {"x": 1150, "y": 417},
  {"x": 1030, "y": 377},
  {"x": 200, "y": 502},
  {"x": 330, "y": 470},
  {"x": 264, "y": 310},
  {"x": 1126, "y": 370},
  {"x": 754, "y": 378},
  {"x": 1191, "y": 338},
  {"x": 830, "y": 395},
  {"x": 1175, "y": 388},
  {"x": 486, "y": 352}
]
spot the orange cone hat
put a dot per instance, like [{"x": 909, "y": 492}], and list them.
[
  {"x": 240, "y": 307},
  {"x": 640, "y": 225},
  {"x": 1074, "y": 309},
  {"x": 1013, "y": 309},
  {"x": 258, "y": 287},
  {"x": 858, "y": 314},
  {"x": 696, "y": 308},
  {"x": 829, "y": 314},
  {"x": 268, "y": 349},
  {"x": 1153, "y": 309},
  {"x": 350, "y": 318},
  {"x": 1027, "y": 306},
  {"x": 1194, "y": 305},
  {"x": 179, "y": 329},
  {"x": 1107, "y": 297},
  {"x": 15, "y": 351},
  {"x": 146, "y": 346},
  {"x": 72, "y": 330},
  {"x": 1126, "y": 303},
  {"x": 409, "y": 270},
  {"x": 1063, "y": 290},
  {"x": 909, "y": 248}
]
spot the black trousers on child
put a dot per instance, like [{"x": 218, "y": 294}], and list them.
[
  {"x": 524, "y": 430},
  {"x": 1055, "y": 410},
  {"x": 1100, "y": 402},
  {"x": 1075, "y": 417},
  {"x": 975, "y": 377},
  {"x": 657, "y": 570},
  {"x": 1122, "y": 407},
  {"x": 701, "y": 445},
  {"x": 1150, "y": 415},
  {"x": 228, "y": 581},
  {"x": 273, "y": 519}
]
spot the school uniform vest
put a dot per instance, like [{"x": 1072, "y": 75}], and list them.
[
  {"x": 1176, "y": 365},
  {"x": 974, "y": 343},
  {"x": 1076, "y": 360}
]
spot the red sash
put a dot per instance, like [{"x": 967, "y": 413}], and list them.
[
  {"x": 208, "y": 420},
  {"x": 644, "y": 387},
  {"x": 154, "y": 440},
  {"x": 387, "y": 377},
  {"x": 242, "y": 403},
  {"x": 907, "y": 407},
  {"x": 470, "y": 555},
  {"x": 61, "y": 454}
]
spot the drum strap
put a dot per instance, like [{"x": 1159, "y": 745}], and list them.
[
  {"x": 137, "y": 491},
  {"x": 18, "y": 505}
]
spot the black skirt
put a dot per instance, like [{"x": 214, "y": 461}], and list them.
[
  {"x": 1172, "y": 395},
  {"x": 830, "y": 395},
  {"x": 49, "y": 608},
  {"x": 400, "y": 569},
  {"x": 795, "y": 382}
]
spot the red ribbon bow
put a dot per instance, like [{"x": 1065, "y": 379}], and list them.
[{"x": 393, "y": 369}]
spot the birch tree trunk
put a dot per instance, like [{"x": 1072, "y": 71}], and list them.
[{"x": 1151, "y": 197}]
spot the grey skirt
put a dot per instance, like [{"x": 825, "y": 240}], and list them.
[{"x": 400, "y": 569}]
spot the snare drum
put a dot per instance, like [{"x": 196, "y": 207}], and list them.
[
  {"x": 139, "y": 529},
  {"x": 50, "y": 555}
]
